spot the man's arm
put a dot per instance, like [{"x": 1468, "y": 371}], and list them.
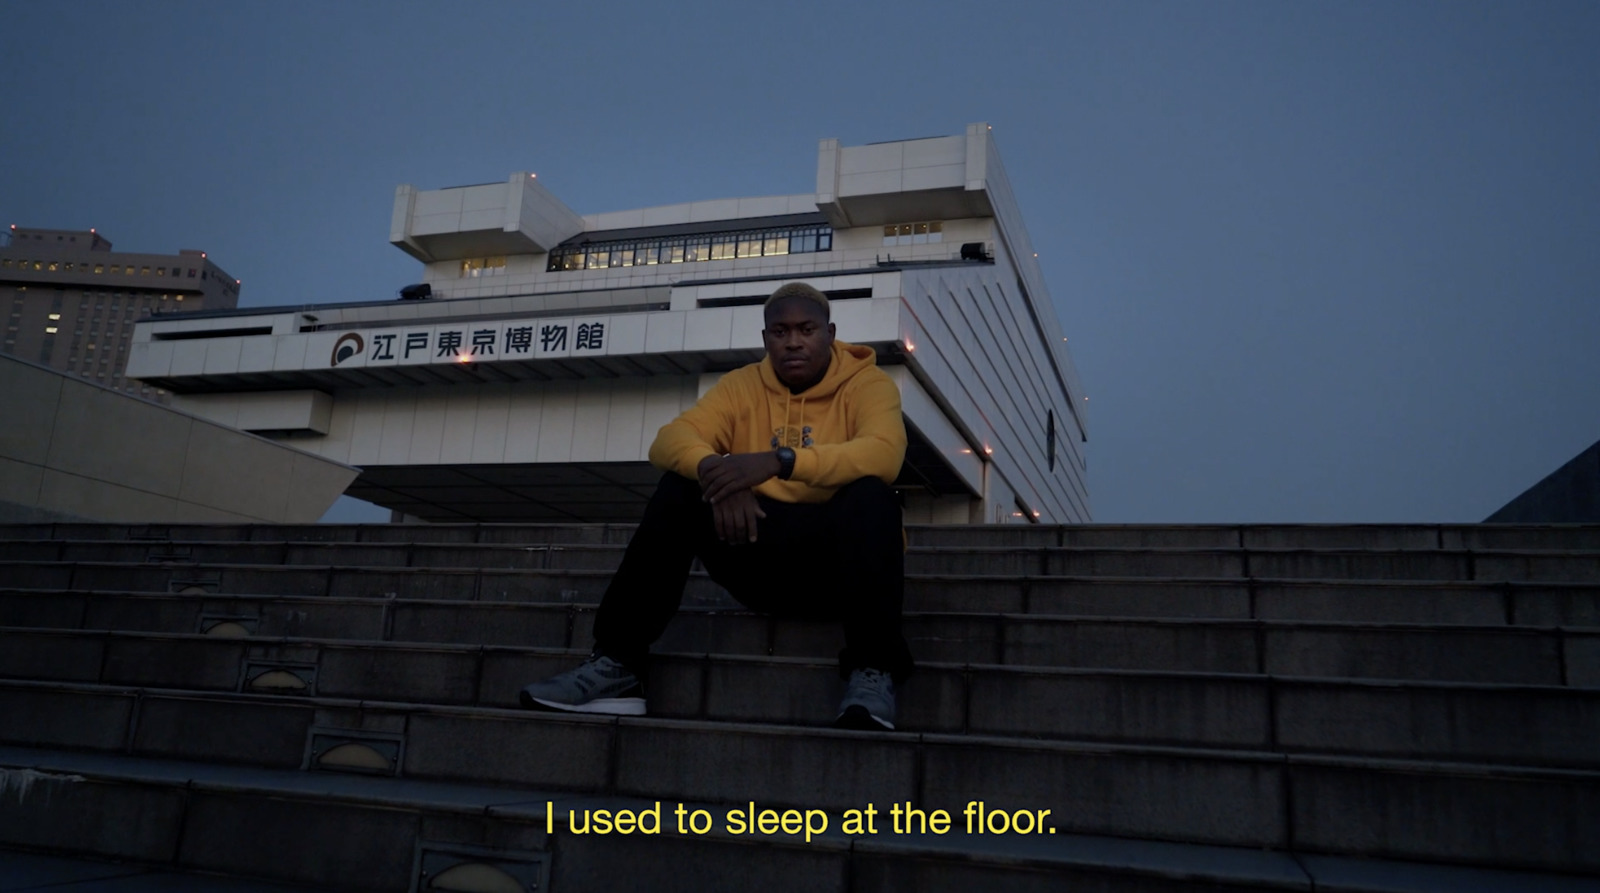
[
  {"x": 877, "y": 449},
  {"x": 704, "y": 429}
]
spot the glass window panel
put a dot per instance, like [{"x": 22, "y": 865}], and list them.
[
  {"x": 775, "y": 245},
  {"x": 678, "y": 254},
  {"x": 825, "y": 240},
  {"x": 749, "y": 247}
]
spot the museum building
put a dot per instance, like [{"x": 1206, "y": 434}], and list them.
[{"x": 526, "y": 374}]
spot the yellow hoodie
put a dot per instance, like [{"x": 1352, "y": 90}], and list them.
[{"x": 846, "y": 427}]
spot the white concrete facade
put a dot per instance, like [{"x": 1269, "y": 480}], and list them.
[{"x": 555, "y": 345}]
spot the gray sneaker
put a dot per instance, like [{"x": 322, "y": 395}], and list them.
[
  {"x": 598, "y": 685},
  {"x": 868, "y": 702}
]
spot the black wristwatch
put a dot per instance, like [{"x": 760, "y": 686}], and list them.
[{"x": 785, "y": 462}]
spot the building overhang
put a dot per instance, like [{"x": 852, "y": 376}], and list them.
[
  {"x": 517, "y": 216},
  {"x": 942, "y": 178}
]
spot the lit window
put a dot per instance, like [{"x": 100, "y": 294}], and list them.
[
  {"x": 53, "y": 267},
  {"x": 55, "y": 316},
  {"x": 913, "y": 233},
  {"x": 691, "y": 249},
  {"x": 49, "y": 330},
  {"x": 99, "y": 268},
  {"x": 38, "y": 265},
  {"x": 145, "y": 271},
  {"x": 179, "y": 297},
  {"x": 161, "y": 271}
]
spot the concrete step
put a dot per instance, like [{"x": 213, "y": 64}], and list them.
[
  {"x": 366, "y": 601},
  {"x": 1469, "y": 721},
  {"x": 1507, "y": 655},
  {"x": 1499, "y": 816},
  {"x": 1421, "y": 537},
  {"x": 1550, "y": 726},
  {"x": 366, "y": 833},
  {"x": 21, "y": 872},
  {"x": 1213, "y": 564},
  {"x": 1532, "y": 603}
]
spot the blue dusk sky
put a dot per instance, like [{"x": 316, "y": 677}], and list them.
[{"x": 1316, "y": 261}]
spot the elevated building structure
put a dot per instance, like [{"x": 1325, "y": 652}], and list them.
[{"x": 526, "y": 376}]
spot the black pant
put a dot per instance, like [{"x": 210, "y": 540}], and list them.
[{"x": 841, "y": 560}]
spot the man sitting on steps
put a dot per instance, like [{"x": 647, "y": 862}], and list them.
[{"x": 778, "y": 480}]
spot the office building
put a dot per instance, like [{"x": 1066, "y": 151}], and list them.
[{"x": 71, "y": 301}]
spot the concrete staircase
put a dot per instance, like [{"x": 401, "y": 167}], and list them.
[{"x": 1356, "y": 708}]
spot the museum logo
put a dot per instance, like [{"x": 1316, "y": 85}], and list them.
[{"x": 346, "y": 347}]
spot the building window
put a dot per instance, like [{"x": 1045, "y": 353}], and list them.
[
  {"x": 693, "y": 249},
  {"x": 483, "y": 266},
  {"x": 913, "y": 233},
  {"x": 191, "y": 272},
  {"x": 1050, "y": 437},
  {"x": 145, "y": 271}
]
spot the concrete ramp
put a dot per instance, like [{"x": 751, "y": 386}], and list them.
[{"x": 71, "y": 450}]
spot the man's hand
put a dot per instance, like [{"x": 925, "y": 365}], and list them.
[
  {"x": 736, "y": 517},
  {"x": 723, "y": 476}
]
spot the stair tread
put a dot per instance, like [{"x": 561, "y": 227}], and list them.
[{"x": 1156, "y": 859}]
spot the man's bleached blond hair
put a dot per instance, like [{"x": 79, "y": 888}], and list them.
[{"x": 800, "y": 290}]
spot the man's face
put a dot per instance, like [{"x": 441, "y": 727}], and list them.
[{"x": 799, "y": 340}]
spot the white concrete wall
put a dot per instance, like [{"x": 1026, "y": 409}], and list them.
[
  {"x": 607, "y": 420},
  {"x": 975, "y": 345},
  {"x": 76, "y": 450},
  {"x": 689, "y": 330}
]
